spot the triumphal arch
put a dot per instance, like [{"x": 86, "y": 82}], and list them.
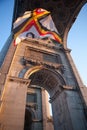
[{"x": 37, "y": 69}]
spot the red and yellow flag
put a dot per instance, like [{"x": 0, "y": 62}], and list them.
[{"x": 36, "y": 24}]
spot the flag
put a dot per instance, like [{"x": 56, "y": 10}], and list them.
[{"x": 35, "y": 24}]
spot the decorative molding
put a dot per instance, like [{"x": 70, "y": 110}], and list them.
[
  {"x": 68, "y": 87},
  {"x": 47, "y": 65},
  {"x": 52, "y": 45},
  {"x": 58, "y": 92},
  {"x": 21, "y": 80}
]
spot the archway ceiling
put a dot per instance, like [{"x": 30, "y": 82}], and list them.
[
  {"x": 47, "y": 79},
  {"x": 64, "y": 12}
]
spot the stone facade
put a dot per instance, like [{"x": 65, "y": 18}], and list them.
[{"x": 35, "y": 66}]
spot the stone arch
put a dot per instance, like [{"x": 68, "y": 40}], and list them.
[
  {"x": 46, "y": 78},
  {"x": 53, "y": 82}
]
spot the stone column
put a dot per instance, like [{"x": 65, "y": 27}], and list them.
[
  {"x": 13, "y": 104},
  {"x": 61, "y": 115}
]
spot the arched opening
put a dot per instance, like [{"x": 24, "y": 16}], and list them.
[
  {"x": 48, "y": 79},
  {"x": 43, "y": 79},
  {"x": 49, "y": 105}
]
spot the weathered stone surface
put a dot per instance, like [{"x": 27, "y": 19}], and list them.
[{"x": 68, "y": 101}]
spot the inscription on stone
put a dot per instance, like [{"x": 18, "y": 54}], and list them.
[{"x": 41, "y": 56}]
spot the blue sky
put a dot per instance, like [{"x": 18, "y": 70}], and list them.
[
  {"x": 77, "y": 41},
  {"x": 6, "y": 12},
  {"x": 77, "y": 37}
]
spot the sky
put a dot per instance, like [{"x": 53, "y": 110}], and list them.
[
  {"x": 77, "y": 42},
  {"x": 77, "y": 37},
  {"x": 6, "y": 13}
]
